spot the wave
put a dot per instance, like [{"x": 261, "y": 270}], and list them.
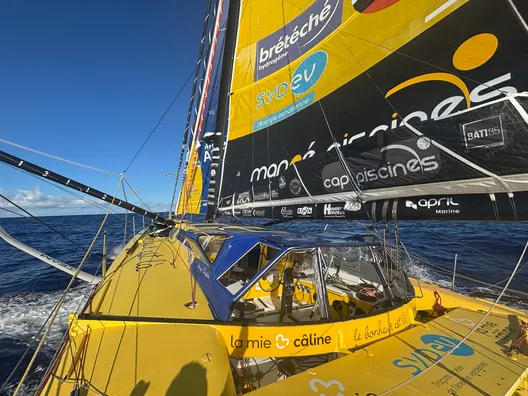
[{"x": 21, "y": 317}]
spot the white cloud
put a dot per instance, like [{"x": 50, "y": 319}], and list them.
[
  {"x": 38, "y": 203},
  {"x": 36, "y": 199}
]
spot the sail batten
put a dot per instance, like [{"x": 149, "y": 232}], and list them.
[{"x": 333, "y": 102}]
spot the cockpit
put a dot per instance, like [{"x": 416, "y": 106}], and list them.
[{"x": 270, "y": 280}]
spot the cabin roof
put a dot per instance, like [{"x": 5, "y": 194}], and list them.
[{"x": 286, "y": 238}]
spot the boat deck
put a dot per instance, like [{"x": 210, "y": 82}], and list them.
[
  {"x": 151, "y": 279},
  {"x": 480, "y": 366},
  {"x": 118, "y": 347}
]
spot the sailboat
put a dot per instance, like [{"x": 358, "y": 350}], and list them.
[{"x": 371, "y": 111}]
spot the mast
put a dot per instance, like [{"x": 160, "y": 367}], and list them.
[
  {"x": 192, "y": 154},
  {"x": 192, "y": 102},
  {"x": 223, "y": 106}
]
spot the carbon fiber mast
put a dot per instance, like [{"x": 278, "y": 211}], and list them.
[
  {"x": 75, "y": 185},
  {"x": 223, "y": 107}
]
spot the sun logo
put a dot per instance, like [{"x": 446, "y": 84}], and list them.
[{"x": 472, "y": 53}]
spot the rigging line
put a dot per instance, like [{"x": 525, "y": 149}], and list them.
[
  {"x": 468, "y": 334},
  {"x": 161, "y": 119},
  {"x": 12, "y": 211},
  {"x": 198, "y": 122},
  {"x": 68, "y": 191},
  {"x": 63, "y": 297},
  {"x": 417, "y": 132},
  {"x": 58, "y": 158},
  {"x": 395, "y": 51},
  {"x": 266, "y": 109},
  {"x": 422, "y": 261},
  {"x": 206, "y": 120},
  {"x": 126, "y": 211},
  {"x": 518, "y": 15},
  {"x": 128, "y": 184},
  {"x": 428, "y": 263},
  {"x": 191, "y": 102},
  {"x": 40, "y": 221},
  {"x": 82, "y": 301},
  {"x": 273, "y": 128},
  {"x": 89, "y": 201},
  {"x": 342, "y": 159},
  {"x": 225, "y": 143}
]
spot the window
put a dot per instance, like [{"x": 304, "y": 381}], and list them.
[
  {"x": 211, "y": 245},
  {"x": 195, "y": 249}
]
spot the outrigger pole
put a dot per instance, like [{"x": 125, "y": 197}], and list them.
[{"x": 75, "y": 185}]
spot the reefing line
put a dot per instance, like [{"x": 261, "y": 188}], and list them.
[{"x": 55, "y": 312}]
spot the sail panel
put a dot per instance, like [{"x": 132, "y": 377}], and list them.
[{"x": 403, "y": 100}]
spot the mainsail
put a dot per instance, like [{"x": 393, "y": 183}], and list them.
[{"x": 378, "y": 109}]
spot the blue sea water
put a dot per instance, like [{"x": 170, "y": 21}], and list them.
[{"x": 29, "y": 289}]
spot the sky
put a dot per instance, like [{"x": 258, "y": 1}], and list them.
[{"x": 87, "y": 81}]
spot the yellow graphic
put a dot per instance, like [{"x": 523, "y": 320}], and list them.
[
  {"x": 475, "y": 51},
  {"x": 355, "y": 44},
  {"x": 295, "y": 159},
  {"x": 191, "y": 198},
  {"x": 472, "y": 53},
  {"x": 434, "y": 77}
]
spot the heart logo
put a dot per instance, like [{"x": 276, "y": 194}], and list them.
[
  {"x": 281, "y": 342},
  {"x": 313, "y": 384}
]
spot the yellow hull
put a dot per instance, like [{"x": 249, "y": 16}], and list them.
[{"x": 138, "y": 335}]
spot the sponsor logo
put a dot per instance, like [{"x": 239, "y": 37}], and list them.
[
  {"x": 312, "y": 340},
  {"x": 371, "y": 6},
  {"x": 305, "y": 211},
  {"x": 286, "y": 212},
  {"x": 333, "y": 211},
  {"x": 281, "y": 342},
  {"x": 304, "y": 78},
  {"x": 265, "y": 195},
  {"x": 436, "y": 203},
  {"x": 243, "y": 198},
  {"x": 437, "y": 346},
  {"x": 274, "y": 170},
  {"x": 297, "y": 37},
  {"x": 259, "y": 213},
  {"x": 401, "y": 161},
  {"x": 204, "y": 270},
  {"x": 352, "y": 206},
  {"x": 484, "y": 133},
  {"x": 282, "y": 182},
  {"x": 295, "y": 187},
  {"x": 247, "y": 212},
  {"x": 207, "y": 150},
  {"x": 479, "y": 48}
]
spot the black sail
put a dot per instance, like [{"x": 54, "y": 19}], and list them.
[{"x": 391, "y": 110}]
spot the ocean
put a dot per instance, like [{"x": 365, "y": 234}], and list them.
[{"x": 29, "y": 289}]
